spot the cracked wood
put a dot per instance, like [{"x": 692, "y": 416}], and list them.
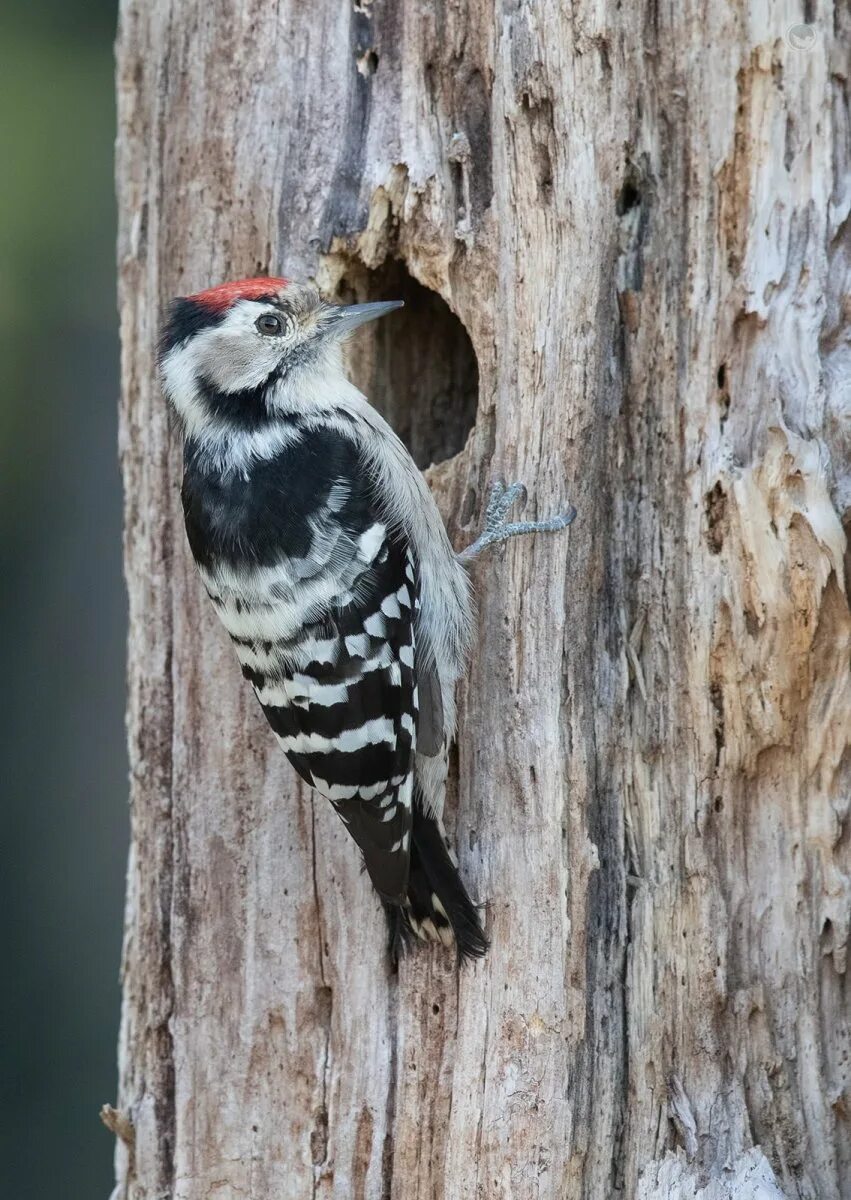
[{"x": 640, "y": 213}]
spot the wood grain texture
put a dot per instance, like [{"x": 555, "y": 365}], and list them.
[{"x": 640, "y": 214}]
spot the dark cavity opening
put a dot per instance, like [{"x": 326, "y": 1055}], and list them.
[
  {"x": 628, "y": 197},
  {"x": 417, "y": 365}
]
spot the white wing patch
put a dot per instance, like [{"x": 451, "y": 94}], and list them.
[{"x": 370, "y": 543}]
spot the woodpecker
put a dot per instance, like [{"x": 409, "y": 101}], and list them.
[{"x": 323, "y": 552}]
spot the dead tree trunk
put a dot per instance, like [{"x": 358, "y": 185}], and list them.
[{"x": 623, "y": 232}]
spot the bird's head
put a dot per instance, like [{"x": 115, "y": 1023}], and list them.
[{"x": 242, "y": 353}]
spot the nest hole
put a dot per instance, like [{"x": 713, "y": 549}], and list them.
[{"x": 417, "y": 366}]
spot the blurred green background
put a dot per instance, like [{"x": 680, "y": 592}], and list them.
[{"x": 65, "y": 824}]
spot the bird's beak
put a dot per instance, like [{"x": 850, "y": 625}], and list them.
[{"x": 347, "y": 317}]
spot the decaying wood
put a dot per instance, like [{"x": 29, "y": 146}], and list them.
[{"x": 640, "y": 214}]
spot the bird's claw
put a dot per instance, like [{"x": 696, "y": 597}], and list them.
[
  {"x": 502, "y": 497},
  {"x": 497, "y": 529}
]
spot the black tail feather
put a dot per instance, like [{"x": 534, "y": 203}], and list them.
[{"x": 437, "y": 907}]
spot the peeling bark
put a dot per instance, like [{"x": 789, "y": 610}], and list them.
[{"x": 640, "y": 215}]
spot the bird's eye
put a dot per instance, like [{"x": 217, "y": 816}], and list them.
[{"x": 271, "y": 324}]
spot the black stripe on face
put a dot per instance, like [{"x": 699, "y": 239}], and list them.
[
  {"x": 245, "y": 410},
  {"x": 185, "y": 319}
]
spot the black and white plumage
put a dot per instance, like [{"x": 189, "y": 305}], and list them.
[
  {"x": 324, "y": 555},
  {"x": 323, "y": 552}
]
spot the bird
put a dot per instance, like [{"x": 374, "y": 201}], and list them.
[{"x": 324, "y": 555}]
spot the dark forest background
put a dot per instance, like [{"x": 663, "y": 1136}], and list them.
[{"x": 64, "y": 834}]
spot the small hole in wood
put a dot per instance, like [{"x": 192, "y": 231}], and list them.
[
  {"x": 715, "y": 504},
  {"x": 417, "y": 366},
  {"x": 628, "y": 197},
  {"x": 368, "y": 63}
]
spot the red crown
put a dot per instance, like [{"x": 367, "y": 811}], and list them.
[{"x": 226, "y": 294}]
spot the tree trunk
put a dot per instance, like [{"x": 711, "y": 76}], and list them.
[{"x": 639, "y": 215}]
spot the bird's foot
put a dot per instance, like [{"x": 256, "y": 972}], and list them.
[{"x": 497, "y": 529}]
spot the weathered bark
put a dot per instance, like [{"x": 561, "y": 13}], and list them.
[{"x": 640, "y": 215}]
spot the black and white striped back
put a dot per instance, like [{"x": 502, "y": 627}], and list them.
[{"x": 320, "y": 597}]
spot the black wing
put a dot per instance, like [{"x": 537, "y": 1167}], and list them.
[{"x": 346, "y": 715}]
